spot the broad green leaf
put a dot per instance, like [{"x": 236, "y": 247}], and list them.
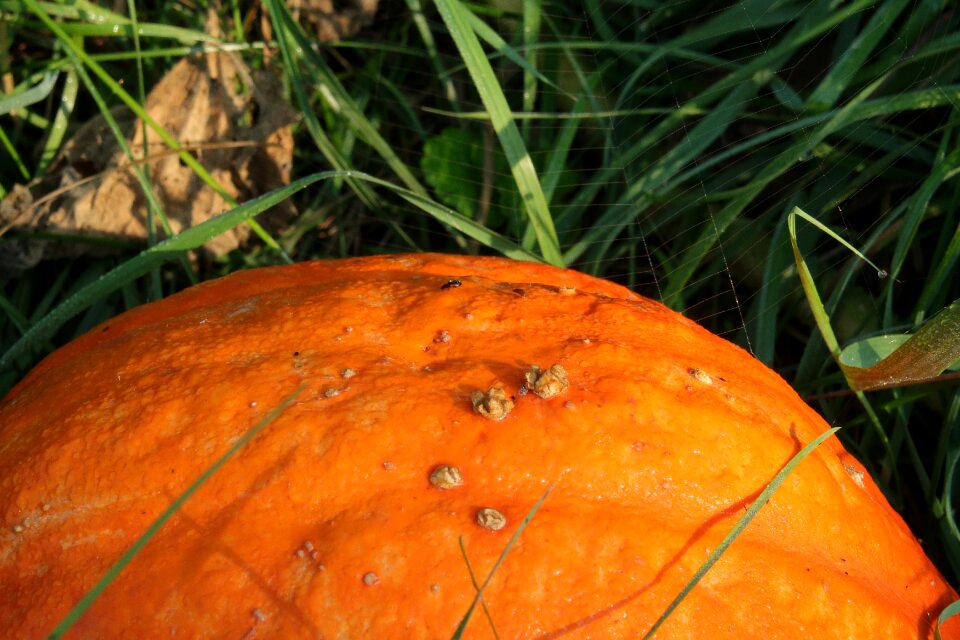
[
  {"x": 930, "y": 351},
  {"x": 869, "y": 351},
  {"x": 449, "y": 163}
]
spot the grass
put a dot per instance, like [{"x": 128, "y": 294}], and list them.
[{"x": 662, "y": 145}]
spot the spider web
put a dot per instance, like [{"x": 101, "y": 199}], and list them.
[{"x": 645, "y": 146}]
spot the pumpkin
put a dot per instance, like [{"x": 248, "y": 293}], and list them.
[{"x": 441, "y": 397}]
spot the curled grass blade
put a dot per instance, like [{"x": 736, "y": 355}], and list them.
[
  {"x": 91, "y": 596},
  {"x": 823, "y": 320},
  {"x": 456, "y": 17},
  {"x": 738, "y": 528},
  {"x": 27, "y": 97}
]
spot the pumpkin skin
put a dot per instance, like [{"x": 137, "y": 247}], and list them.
[{"x": 327, "y": 525}]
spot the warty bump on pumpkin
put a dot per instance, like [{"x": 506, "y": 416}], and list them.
[{"x": 421, "y": 423}]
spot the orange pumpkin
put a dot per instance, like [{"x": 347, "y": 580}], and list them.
[{"x": 341, "y": 519}]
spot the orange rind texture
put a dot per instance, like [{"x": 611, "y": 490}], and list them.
[{"x": 327, "y": 525}]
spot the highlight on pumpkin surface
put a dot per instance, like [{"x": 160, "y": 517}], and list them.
[{"x": 642, "y": 415}]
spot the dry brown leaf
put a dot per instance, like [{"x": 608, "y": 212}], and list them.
[
  {"x": 334, "y": 19},
  {"x": 233, "y": 123}
]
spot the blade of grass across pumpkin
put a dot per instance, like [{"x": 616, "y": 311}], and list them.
[
  {"x": 921, "y": 358},
  {"x": 164, "y": 135},
  {"x": 458, "y": 633},
  {"x": 740, "y": 525},
  {"x": 844, "y": 72},
  {"x": 455, "y": 16},
  {"x": 91, "y": 596},
  {"x": 950, "y": 611},
  {"x": 189, "y": 238},
  {"x": 456, "y": 220},
  {"x": 337, "y": 97},
  {"x": 476, "y": 587}
]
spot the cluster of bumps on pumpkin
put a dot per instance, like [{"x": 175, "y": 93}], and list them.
[{"x": 380, "y": 498}]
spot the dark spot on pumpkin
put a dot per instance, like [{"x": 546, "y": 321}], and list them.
[
  {"x": 452, "y": 283},
  {"x": 296, "y": 354},
  {"x": 520, "y": 292},
  {"x": 105, "y": 329}
]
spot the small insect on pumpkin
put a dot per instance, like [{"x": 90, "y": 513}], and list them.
[{"x": 345, "y": 516}]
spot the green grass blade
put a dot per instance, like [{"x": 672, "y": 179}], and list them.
[
  {"x": 190, "y": 238},
  {"x": 36, "y": 93},
  {"x": 426, "y": 34},
  {"x": 456, "y": 17},
  {"x": 91, "y": 596},
  {"x": 845, "y": 70},
  {"x": 164, "y": 135},
  {"x": 769, "y": 298},
  {"x": 486, "y": 33},
  {"x": 711, "y": 234},
  {"x": 806, "y": 278},
  {"x": 456, "y": 220},
  {"x": 458, "y": 633},
  {"x": 741, "y": 524},
  {"x": 338, "y": 98},
  {"x": 952, "y": 610},
  {"x": 919, "y": 201}
]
